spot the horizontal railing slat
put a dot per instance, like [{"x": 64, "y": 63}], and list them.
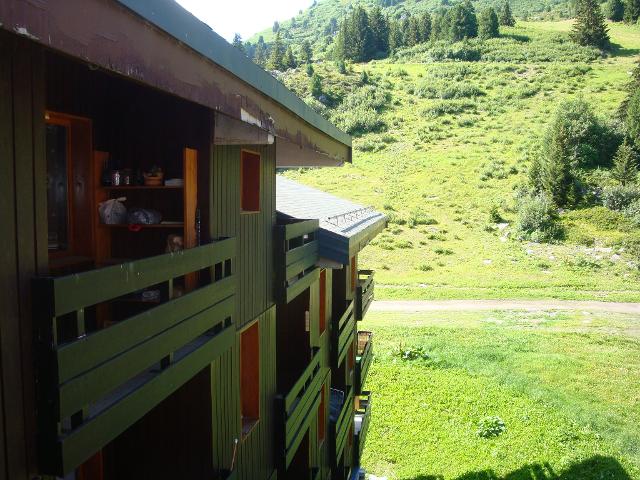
[
  {"x": 305, "y": 282},
  {"x": 304, "y": 410},
  {"x": 301, "y": 258},
  {"x": 83, "y": 442},
  {"x": 98, "y": 382},
  {"x": 308, "y": 372},
  {"x": 85, "y": 354},
  {"x": 297, "y": 229},
  {"x": 77, "y": 291},
  {"x": 293, "y": 447},
  {"x": 342, "y": 425}
]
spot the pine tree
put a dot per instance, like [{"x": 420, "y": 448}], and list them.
[
  {"x": 306, "y": 52},
  {"x": 276, "y": 58},
  {"x": 631, "y": 11},
  {"x": 615, "y": 10},
  {"x": 316, "y": 85},
  {"x": 632, "y": 120},
  {"x": 412, "y": 34},
  {"x": 289, "y": 59},
  {"x": 488, "y": 24},
  {"x": 276, "y": 27},
  {"x": 260, "y": 56},
  {"x": 506, "y": 17},
  {"x": 590, "y": 28},
  {"x": 379, "y": 26},
  {"x": 425, "y": 27},
  {"x": 396, "y": 39},
  {"x": 310, "y": 70},
  {"x": 237, "y": 42},
  {"x": 440, "y": 27},
  {"x": 625, "y": 165},
  {"x": 462, "y": 22}
]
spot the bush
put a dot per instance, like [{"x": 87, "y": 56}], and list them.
[
  {"x": 490, "y": 427},
  {"x": 412, "y": 353},
  {"x": 632, "y": 212},
  {"x": 536, "y": 219},
  {"x": 619, "y": 197},
  {"x": 446, "y": 90},
  {"x": 360, "y": 111},
  {"x": 452, "y": 107}
]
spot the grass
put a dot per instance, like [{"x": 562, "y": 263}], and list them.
[
  {"x": 452, "y": 144},
  {"x": 565, "y": 386}
]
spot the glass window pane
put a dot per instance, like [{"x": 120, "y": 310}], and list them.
[{"x": 57, "y": 188}]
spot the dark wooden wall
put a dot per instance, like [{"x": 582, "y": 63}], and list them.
[
  {"x": 254, "y": 230},
  {"x": 23, "y": 217}
]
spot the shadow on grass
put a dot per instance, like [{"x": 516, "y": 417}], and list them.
[
  {"x": 619, "y": 51},
  {"x": 597, "y": 467}
]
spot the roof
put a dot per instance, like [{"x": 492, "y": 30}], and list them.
[
  {"x": 182, "y": 25},
  {"x": 345, "y": 227}
]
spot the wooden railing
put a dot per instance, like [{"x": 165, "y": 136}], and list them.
[
  {"x": 364, "y": 293},
  {"x": 340, "y": 429},
  {"x": 362, "y": 420},
  {"x": 364, "y": 356},
  {"x": 342, "y": 335},
  {"x": 296, "y": 255},
  {"x": 93, "y": 386},
  {"x": 298, "y": 408}
]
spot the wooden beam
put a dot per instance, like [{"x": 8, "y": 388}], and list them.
[{"x": 230, "y": 131}]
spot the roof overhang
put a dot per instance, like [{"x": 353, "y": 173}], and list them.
[{"x": 160, "y": 44}]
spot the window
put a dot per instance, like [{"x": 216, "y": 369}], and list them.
[
  {"x": 58, "y": 203},
  {"x": 250, "y": 377},
  {"x": 321, "y": 417},
  {"x": 354, "y": 273},
  {"x": 250, "y": 182},
  {"x": 323, "y": 301}
]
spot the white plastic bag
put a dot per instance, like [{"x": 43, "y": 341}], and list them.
[{"x": 113, "y": 212}]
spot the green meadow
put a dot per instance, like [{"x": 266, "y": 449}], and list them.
[
  {"x": 452, "y": 141},
  {"x": 564, "y": 389}
]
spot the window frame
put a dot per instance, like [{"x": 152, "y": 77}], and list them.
[
  {"x": 244, "y": 211},
  {"x": 248, "y": 422}
]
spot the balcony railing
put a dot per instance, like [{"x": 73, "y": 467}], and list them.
[
  {"x": 364, "y": 356},
  {"x": 93, "y": 386},
  {"x": 296, "y": 255},
  {"x": 340, "y": 429},
  {"x": 364, "y": 293},
  {"x": 342, "y": 335},
  {"x": 361, "y": 423},
  {"x": 299, "y": 408}
]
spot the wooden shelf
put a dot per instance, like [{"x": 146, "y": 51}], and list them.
[
  {"x": 143, "y": 187},
  {"x": 143, "y": 227}
]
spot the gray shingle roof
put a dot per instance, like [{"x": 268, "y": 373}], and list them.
[{"x": 345, "y": 227}]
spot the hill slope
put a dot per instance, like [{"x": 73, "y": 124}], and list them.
[{"x": 445, "y": 168}]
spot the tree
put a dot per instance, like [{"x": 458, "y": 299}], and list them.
[
  {"x": 310, "y": 70},
  {"x": 488, "y": 24},
  {"x": 506, "y": 17},
  {"x": 425, "y": 27},
  {"x": 625, "y": 165},
  {"x": 316, "y": 85},
  {"x": 379, "y": 26},
  {"x": 289, "y": 59},
  {"x": 276, "y": 58},
  {"x": 237, "y": 42},
  {"x": 440, "y": 27},
  {"x": 615, "y": 10},
  {"x": 462, "y": 22},
  {"x": 396, "y": 40},
  {"x": 631, "y": 11},
  {"x": 412, "y": 33},
  {"x": 276, "y": 27},
  {"x": 260, "y": 56},
  {"x": 306, "y": 53},
  {"x": 590, "y": 28},
  {"x": 632, "y": 120},
  {"x": 355, "y": 41}
]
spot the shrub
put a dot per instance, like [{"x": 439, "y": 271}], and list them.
[
  {"x": 620, "y": 197},
  {"x": 421, "y": 218},
  {"x": 360, "y": 111},
  {"x": 536, "y": 219},
  {"x": 625, "y": 165},
  {"x": 633, "y": 117},
  {"x": 632, "y": 212},
  {"x": 490, "y": 427},
  {"x": 452, "y": 107},
  {"x": 412, "y": 353},
  {"x": 446, "y": 90}
]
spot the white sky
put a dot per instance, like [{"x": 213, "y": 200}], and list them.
[{"x": 245, "y": 17}]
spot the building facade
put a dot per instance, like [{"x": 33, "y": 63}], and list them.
[{"x": 163, "y": 317}]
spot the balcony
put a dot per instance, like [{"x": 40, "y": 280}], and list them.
[
  {"x": 93, "y": 386},
  {"x": 342, "y": 335},
  {"x": 339, "y": 429},
  {"x": 364, "y": 356},
  {"x": 299, "y": 408},
  {"x": 364, "y": 293},
  {"x": 296, "y": 255},
  {"x": 362, "y": 420}
]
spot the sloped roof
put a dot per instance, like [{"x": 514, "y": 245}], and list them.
[{"x": 345, "y": 227}]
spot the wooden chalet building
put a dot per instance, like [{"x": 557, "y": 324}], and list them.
[{"x": 200, "y": 334}]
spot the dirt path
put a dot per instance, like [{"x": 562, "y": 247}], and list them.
[{"x": 482, "y": 305}]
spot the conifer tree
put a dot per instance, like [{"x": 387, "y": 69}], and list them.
[
  {"x": 590, "y": 28},
  {"x": 306, "y": 52},
  {"x": 276, "y": 27},
  {"x": 506, "y": 17},
  {"x": 412, "y": 33},
  {"x": 316, "y": 85},
  {"x": 632, "y": 120},
  {"x": 488, "y": 24},
  {"x": 625, "y": 165},
  {"x": 289, "y": 59},
  {"x": 425, "y": 27},
  {"x": 462, "y": 22},
  {"x": 379, "y": 26},
  {"x": 260, "y": 56},
  {"x": 237, "y": 42},
  {"x": 615, "y": 10},
  {"x": 276, "y": 58},
  {"x": 631, "y": 11},
  {"x": 396, "y": 39}
]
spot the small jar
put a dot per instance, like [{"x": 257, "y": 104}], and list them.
[{"x": 115, "y": 178}]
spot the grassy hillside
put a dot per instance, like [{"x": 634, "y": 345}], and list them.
[
  {"x": 564, "y": 385},
  {"x": 313, "y": 24},
  {"x": 452, "y": 144}
]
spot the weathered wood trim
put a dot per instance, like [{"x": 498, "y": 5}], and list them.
[{"x": 363, "y": 362}]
